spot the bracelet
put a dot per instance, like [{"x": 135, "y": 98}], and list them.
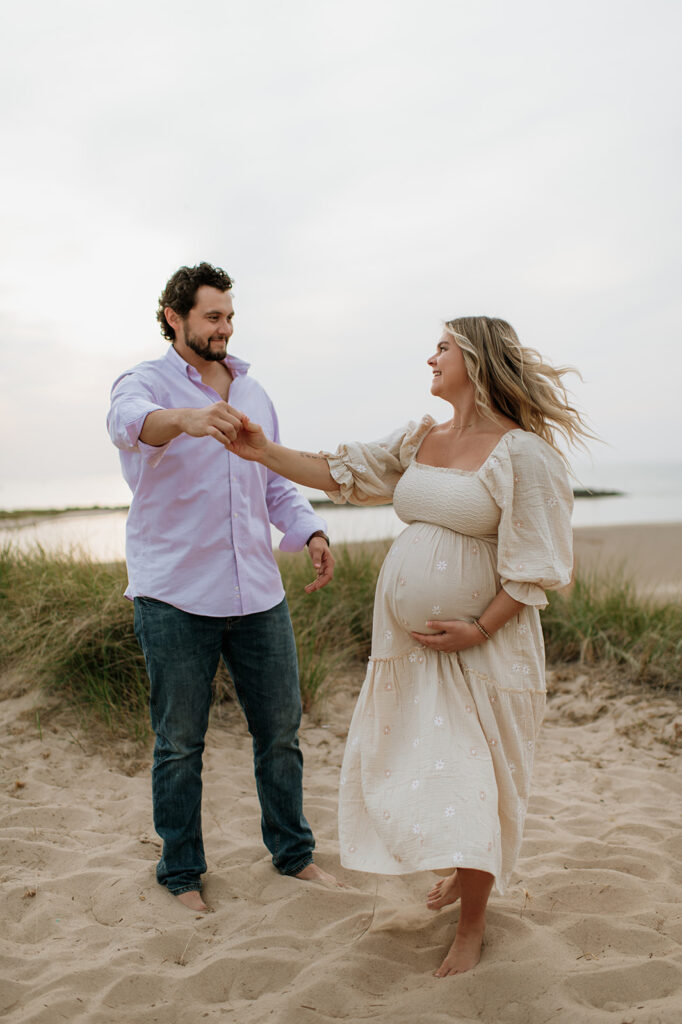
[
  {"x": 481, "y": 629},
  {"x": 319, "y": 533}
]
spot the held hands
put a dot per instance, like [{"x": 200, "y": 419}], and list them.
[
  {"x": 250, "y": 441},
  {"x": 227, "y": 425},
  {"x": 218, "y": 420},
  {"x": 454, "y": 635}
]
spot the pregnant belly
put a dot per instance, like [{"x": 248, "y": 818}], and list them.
[{"x": 434, "y": 573}]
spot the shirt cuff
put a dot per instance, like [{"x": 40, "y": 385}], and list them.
[{"x": 295, "y": 538}]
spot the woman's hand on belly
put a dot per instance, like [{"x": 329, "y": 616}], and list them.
[{"x": 453, "y": 635}]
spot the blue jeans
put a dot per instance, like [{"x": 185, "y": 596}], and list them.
[{"x": 181, "y": 653}]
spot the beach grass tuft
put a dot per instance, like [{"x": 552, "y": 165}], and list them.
[
  {"x": 604, "y": 620},
  {"x": 65, "y": 624}
]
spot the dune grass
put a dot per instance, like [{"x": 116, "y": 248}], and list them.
[{"x": 65, "y": 625}]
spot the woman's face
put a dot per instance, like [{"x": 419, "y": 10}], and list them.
[{"x": 448, "y": 367}]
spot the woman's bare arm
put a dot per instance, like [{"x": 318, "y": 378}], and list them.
[{"x": 305, "y": 468}]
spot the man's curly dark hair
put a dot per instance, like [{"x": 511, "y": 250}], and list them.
[{"x": 181, "y": 291}]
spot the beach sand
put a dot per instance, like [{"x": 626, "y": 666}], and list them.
[{"x": 589, "y": 931}]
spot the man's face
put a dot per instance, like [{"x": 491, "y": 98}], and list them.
[{"x": 208, "y": 327}]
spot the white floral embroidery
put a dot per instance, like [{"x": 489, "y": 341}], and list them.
[
  {"x": 415, "y": 783},
  {"x": 439, "y": 765},
  {"x": 457, "y": 857},
  {"x": 523, "y": 629},
  {"x": 387, "y": 773},
  {"x": 386, "y": 815},
  {"x": 388, "y": 635},
  {"x": 351, "y": 849},
  {"x": 520, "y": 566},
  {"x": 551, "y": 502},
  {"x": 387, "y": 730},
  {"x": 467, "y": 708},
  {"x": 356, "y": 740},
  {"x": 438, "y": 721},
  {"x": 441, "y": 566},
  {"x": 449, "y": 811},
  {"x": 417, "y": 830},
  {"x": 435, "y": 610},
  {"x": 493, "y": 742},
  {"x": 511, "y": 766},
  {"x": 482, "y": 794},
  {"x": 516, "y": 478},
  {"x": 388, "y": 686},
  {"x": 402, "y": 581},
  {"x": 416, "y": 741},
  {"x": 360, "y": 467},
  {"x": 412, "y": 657},
  {"x": 523, "y": 669},
  {"x": 518, "y": 524},
  {"x": 493, "y": 699},
  {"x": 343, "y": 780},
  {"x": 474, "y": 549},
  {"x": 420, "y": 659},
  {"x": 416, "y": 699},
  {"x": 473, "y": 751},
  {"x": 476, "y": 593}
]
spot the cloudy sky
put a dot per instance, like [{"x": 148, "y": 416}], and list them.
[{"x": 363, "y": 170}]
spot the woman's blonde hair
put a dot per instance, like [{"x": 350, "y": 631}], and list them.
[{"x": 516, "y": 381}]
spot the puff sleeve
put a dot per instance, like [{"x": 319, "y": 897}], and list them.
[
  {"x": 367, "y": 473},
  {"x": 528, "y": 481}
]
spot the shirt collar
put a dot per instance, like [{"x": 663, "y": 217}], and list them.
[{"x": 237, "y": 367}]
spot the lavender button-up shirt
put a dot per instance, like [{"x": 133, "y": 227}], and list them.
[{"x": 198, "y": 529}]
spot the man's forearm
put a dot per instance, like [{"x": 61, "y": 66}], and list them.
[
  {"x": 305, "y": 468},
  {"x": 162, "y": 425}
]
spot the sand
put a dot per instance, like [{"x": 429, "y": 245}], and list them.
[
  {"x": 649, "y": 555},
  {"x": 589, "y": 931}
]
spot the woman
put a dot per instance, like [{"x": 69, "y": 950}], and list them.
[{"x": 437, "y": 765}]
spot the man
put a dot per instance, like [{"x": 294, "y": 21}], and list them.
[{"x": 203, "y": 577}]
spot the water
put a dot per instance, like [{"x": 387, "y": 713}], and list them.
[{"x": 653, "y": 495}]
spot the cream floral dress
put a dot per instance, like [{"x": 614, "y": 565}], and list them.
[{"x": 438, "y": 760}]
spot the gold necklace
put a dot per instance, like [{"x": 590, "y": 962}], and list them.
[{"x": 465, "y": 427}]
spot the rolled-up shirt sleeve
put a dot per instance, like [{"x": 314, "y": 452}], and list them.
[{"x": 131, "y": 402}]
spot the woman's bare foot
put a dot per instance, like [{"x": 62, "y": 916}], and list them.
[
  {"x": 444, "y": 892},
  {"x": 193, "y": 900},
  {"x": 464, "y": 953},
  {"x": 311, "y": 873}
]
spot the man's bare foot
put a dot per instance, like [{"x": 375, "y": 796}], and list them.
[
  {"x": 444, "y": 892},
  {"x": 311, "y": 873},
  {"x": 193, "y": 900},
  {"x": 464, "y": 953}
]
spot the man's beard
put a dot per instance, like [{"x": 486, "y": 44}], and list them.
[{"x": 204, "y": 350}]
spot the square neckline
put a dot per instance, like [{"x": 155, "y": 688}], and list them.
[{"x": 456, "y": 469}]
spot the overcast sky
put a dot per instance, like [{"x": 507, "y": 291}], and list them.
[{"x": 364, "y": 170}]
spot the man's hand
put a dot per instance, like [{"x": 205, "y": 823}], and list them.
[
  {"x": 218, "y": 420},
  {"x": 453, "y": 635},
  {"x": 323, "y": 561}
]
